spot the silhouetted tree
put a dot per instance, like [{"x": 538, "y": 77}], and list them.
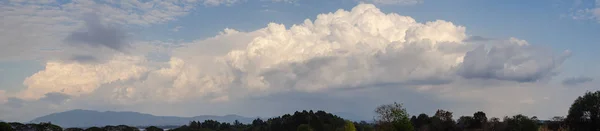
[
  {"x": 194, "y": 125},
  {"x": 442, "y": 121},
  {"x": 422, "y": 121},
  {"x": 584, "y": 113},
  {"x": 494, "y": 124},
  {"x": 210, "y": 124},
  {"x": 521, "y": 123},
  {"x": 480, "y": 120},
  {"x": 466, "y": 122}
]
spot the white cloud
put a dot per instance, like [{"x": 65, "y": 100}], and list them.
[
  {"x": 515, "y": 60},
  {"x": 176, "y": 28},
  {"x": 394, "y": 2},
  {"x": 78, "y": 79},
  {"x": 29, "y": 26},
  {"x": 587, "y": 13},
  {"x": 361, "y": 49}
]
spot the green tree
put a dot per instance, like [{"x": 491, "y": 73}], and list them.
[
  {"x": 153, "y": 128},
  {"x": 393, "y": 117},
  {"x": 584, "y": 113},
  {"x": 349, "y": 126},
  {"x": 5, "y": 127},
  {"x": 304, "y": 127}
]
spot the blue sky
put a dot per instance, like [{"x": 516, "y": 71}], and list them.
[{"x": 135, "y": 55}]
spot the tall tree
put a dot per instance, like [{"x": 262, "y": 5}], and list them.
[
  {"x": 584, "y": 113},
  {"x": 480, "y": 120},
  {"x": 393, "y": 117},
  {"x": 422, "y": 120},
  {"x": 442, "y": 121}
]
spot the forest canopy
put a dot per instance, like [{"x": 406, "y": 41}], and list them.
[{"x": 583, "y": 115}]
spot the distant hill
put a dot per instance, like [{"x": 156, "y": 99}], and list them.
[{"x": 88, "y": 118}]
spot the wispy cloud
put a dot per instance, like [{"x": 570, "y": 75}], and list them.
[
  {"x": 176, "y": 28},
  {"x": 572, "y": 81}
]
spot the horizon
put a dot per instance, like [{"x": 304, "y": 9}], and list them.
[{"x": 272, "y": 57}]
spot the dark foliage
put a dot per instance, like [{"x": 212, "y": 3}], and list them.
[
  {"x": 5, "y": 127},
  {"x": 584, "y": 114},
  {"x": 74, "y": 129},
  {"x": 315, "y": 121}
]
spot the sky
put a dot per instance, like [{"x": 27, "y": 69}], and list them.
[{"x": 262, "y": 58}]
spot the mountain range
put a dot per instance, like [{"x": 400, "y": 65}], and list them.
[{"x": 89, "y": 118}]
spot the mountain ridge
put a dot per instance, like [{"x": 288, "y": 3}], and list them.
[{"x": 89, "y": 118}]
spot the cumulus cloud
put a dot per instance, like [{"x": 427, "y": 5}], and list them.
[
  {"x": 356, "y": 50},
  {"x": 515, "y": 60},
  {"x": 79, "y": 78},
  {"x": 395, "y": 2},
  {"x": 344, "y": 49},
  {"x": 572, "y": 81}
]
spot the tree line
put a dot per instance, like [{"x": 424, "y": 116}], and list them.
[{"x": 583, "y": 115}]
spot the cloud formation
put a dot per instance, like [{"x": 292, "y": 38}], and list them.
[
  {"x": 98, "y": 34},
  {"x": 587, "y": 13},
  {"x": 31, "y": 26},
  {"x": 515, "y": 60},
  {"x": 572, "y": 81},
  {"x": 343, "y": 49},
  {"x": 75, "y": 79},
  {"x": 362, "y": 49}
]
